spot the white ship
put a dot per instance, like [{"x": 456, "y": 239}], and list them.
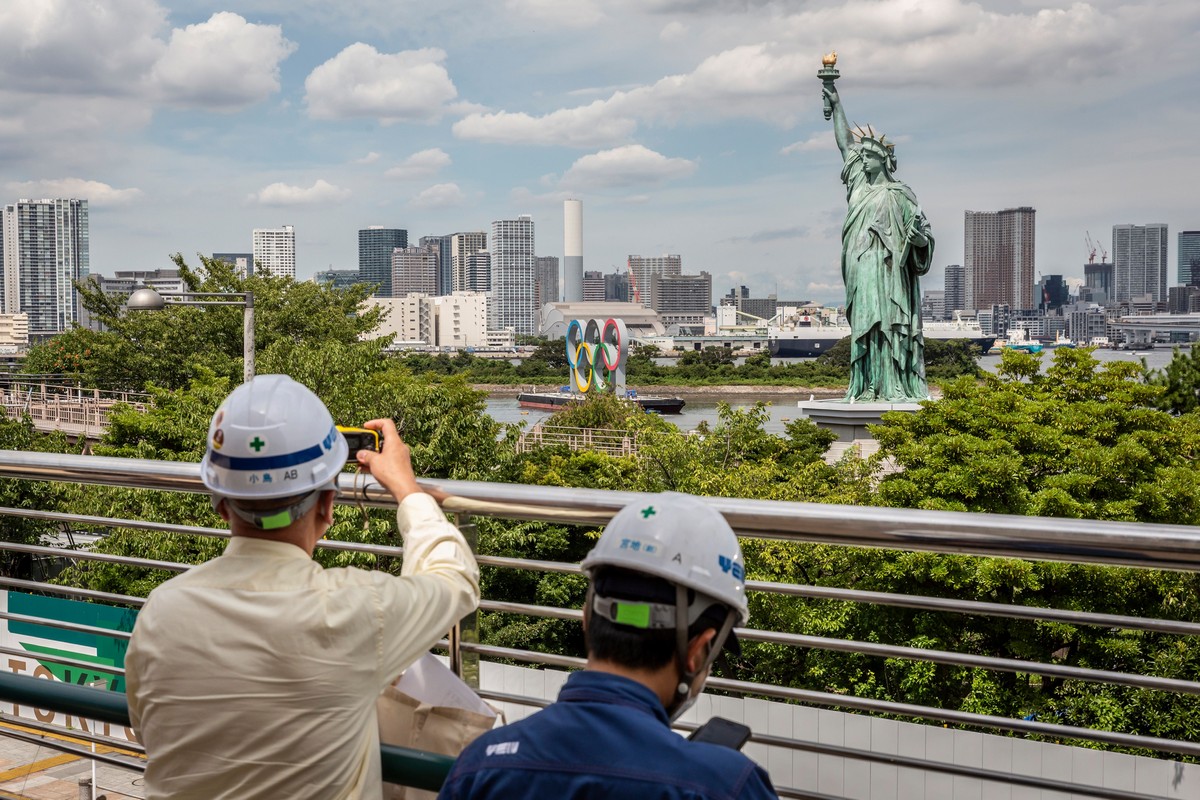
[{"x": 808, "y": 335}]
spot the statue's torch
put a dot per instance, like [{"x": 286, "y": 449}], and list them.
[{"x": 828, "y": 74}]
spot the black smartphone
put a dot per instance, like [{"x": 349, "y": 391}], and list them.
[
  {"x": 359, "y": 439},
  {"x": 724, "y": 732}
]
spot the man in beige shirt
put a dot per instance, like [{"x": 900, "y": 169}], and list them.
[{"x": 255, "y": 674}]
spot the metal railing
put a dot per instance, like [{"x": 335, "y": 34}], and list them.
[
  {"x": 599, "y": 440},
  {"x": 71, "y": 409},
  {"x": 1085, "y": 541}
]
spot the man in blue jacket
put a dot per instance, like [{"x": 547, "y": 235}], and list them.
[{"x": 667, "y": 586}]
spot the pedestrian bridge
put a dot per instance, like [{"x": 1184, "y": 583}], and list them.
[
  {"x": 80, "y": 413},
  {"x": 815, "y": 744}
]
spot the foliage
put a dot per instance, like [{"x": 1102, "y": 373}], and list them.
[
  {"x": 1179, "y": 382},
  {"x": 19, "y": 434}
]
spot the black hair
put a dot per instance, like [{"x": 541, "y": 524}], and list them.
[{"x": 639, "y": 648}]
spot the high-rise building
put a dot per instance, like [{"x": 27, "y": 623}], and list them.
[
  {"x": 616, "y": 287},
  {"x": 375, "y": 246},
  {"x": 547, "y": 280},
  {"x": 511, "y": 300},
  {"x": 1139, "y": 254},
  {"x": 573, "y": 250},
  {"x": 933, "y": 304},
  {"x": 998, "y": 263},
  {"x": 682, "y": 300},
  {"x": 642, "y": 267},
  {"x": 275, "y": 251},
  {"x": 463, "y": 245},
  {"x": 593, "y": 286},
  {"x": 956, "y": 290},
  {"x": 46, "y": 250},
  {"x": 1098, "y": 280},
  {"x": 242, "y": 262},
  {"x": 1189, "y": 258},
  {"x": 445, "y": 281},
  {"x": 414, "y": 270},
  {"x": 1053, "y": 293},
  {"x": 477, "y": 271},
  {"x": 337, "y": 278}
]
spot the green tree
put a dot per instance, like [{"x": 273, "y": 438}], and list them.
[{"x": 1179, "y": 382}]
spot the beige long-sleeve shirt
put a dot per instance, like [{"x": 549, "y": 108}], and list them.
[{"x": 255, "y": 674}]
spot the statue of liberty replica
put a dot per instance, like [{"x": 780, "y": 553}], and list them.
[{"x": 886, "y": 247}]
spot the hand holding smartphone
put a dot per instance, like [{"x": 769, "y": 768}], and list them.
[{"x": 724, "y": 732}]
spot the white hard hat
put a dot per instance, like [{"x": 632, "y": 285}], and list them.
[
  {"x": 272, "y": 437},
  {"x": 681, "y": 539}
]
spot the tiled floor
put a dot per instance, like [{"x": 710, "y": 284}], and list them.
[{"x": 31, "y": 771}]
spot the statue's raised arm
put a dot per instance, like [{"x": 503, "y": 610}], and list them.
[{"x": 886, "y": 247}]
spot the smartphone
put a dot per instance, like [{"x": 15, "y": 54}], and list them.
[
  {"x": 359, "y": 439},
  {"x": 724, "y": 732}
]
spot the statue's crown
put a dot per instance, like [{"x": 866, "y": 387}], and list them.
[{"x": 876, "y": 142}]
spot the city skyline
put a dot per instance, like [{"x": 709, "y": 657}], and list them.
[{"x": 685, "y": 127}]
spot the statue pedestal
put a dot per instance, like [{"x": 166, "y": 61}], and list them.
[{"x": 849, "y": 421}]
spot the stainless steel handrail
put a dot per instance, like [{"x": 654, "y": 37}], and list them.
[{"x": 1042, "y": 538}]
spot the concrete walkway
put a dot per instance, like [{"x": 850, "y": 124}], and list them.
[{"x": 30, "y": 771}]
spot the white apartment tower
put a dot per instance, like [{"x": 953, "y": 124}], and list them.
[
  {"x": 275, "y": 251},
  {"x": 45, "y": 245},
  {"x": 463, "y": 245},
  {"x": 1139, "y": 256},
  {"x": 512, "y": 299}
]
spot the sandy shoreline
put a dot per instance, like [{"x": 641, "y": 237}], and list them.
[{"x": 710, "y": 392}]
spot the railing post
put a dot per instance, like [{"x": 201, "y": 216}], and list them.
[{"x": 466, "y": 665}]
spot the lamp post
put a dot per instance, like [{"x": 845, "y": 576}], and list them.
[{"x": 147, "y": 299}]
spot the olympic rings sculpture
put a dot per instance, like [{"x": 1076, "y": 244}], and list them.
[{"x": 596, "y": 353}]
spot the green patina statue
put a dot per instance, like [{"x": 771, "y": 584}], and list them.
[{"x": 886, "y": 247}]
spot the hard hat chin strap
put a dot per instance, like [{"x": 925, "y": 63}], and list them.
[{"x": 683, "y": 691}]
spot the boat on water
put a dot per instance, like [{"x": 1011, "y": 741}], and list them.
[
  {"x": 809, "y": 336},
  {"x": 1062, "y": 340},
  {"x": 1018, "y": 339},
  {"x": 556, "y": 401}
]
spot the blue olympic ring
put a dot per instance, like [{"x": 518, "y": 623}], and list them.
[{"x": 595, "y": 352}]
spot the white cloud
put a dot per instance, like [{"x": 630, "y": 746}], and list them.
[
  {"x": 626, "y": 166},
  {"x": 223, "y": 64},
  {"x": 283, "y": 194},
  {"x": 441, "y": 195},
  {"x": 593, "y": 125},
  {"x": 410, "y": 86},
  {"x": 424, "y": 164},
  {"x": 673, "y": 31},
  {"x": 369, "y": 158},
  {"x": 96, "y": 193},
  {"x": 818, "y": 141}
]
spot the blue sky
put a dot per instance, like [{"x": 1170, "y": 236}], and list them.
[{"x": 685, "y": 126}]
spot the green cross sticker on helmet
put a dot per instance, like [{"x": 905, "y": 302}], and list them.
[{"x": 306, "y": 452}]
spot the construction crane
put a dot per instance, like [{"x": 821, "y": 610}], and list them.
[
  {"x": 1093, "y": 246},
  {"x": 637, "y": 296}
]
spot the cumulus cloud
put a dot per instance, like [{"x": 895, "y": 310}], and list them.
[
  {"x": 223, "y": 64},
  {"x": 593, "y": 125},
  {"x": 440, "y": 195},
  {"x": 818, "y": 141},
  {"x": 626, "y": 166},
  {"x": 410, "y": 86},
  {"x": 283, "y": 194},
  {"x": 369, "y": 158},
  {"x": 773, "y": 234},
  {"x": 673, "y": 31},
  {"x": 96, "y": 193},
  {"x": 424, "y": 164}
]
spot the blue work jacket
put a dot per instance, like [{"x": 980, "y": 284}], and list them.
[{"x": 607, "y": 737}]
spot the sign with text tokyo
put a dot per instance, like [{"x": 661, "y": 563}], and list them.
[{"x": 596, "y": 354}]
